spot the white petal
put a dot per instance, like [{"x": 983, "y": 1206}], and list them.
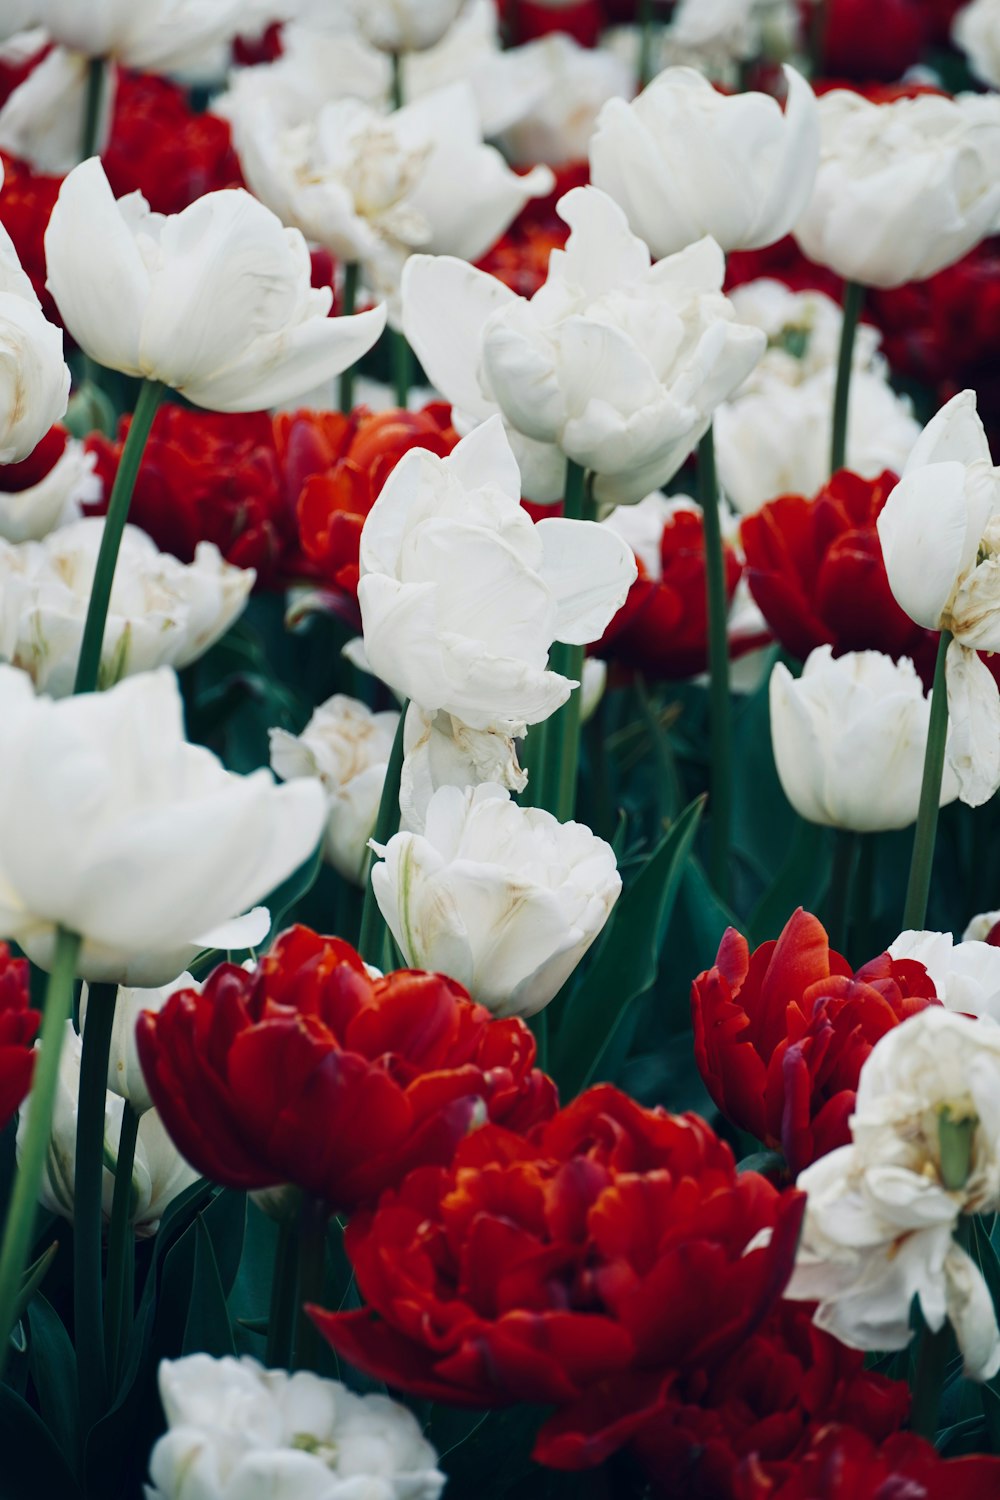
[
  {"x": 590, "y": 571},
  {"x": 974, "y": 713}
]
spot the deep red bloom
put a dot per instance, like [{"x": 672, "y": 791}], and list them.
[
  {"x": 337, "y": 465},
  {"x": 210, "y": 476},
  {"x": 783, "y": 261},
  {"x": 816, "y": 570},
  {"x": 18, "y": 1028},
  {"x": 780, "y": 1036},
  {"x": 844, "y": 1464},
  {"x": 159, "y": 146},
  {"x": 855, "y": 49},
  {"x": 662, "y": 628},
  {"x": 28, "y": 200},
  {"x": 15, "y": 478},
  {"x": 520, "y": 258},
  {"x": 528, "y": 19},
  {"x": 580, "y": 1268},
  {"x": 308, "y": 1071}
]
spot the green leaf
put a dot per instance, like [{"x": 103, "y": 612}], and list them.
[
  {"x": 770, "y": 1164},
  {"x": 282, "y": 901},
  {"x": 801, "y": 881},
  {"x": 32, "y": 1463},
  {"x": 628, "y": 961},
  {"x": 207, "y": 1329},
  {"x": 52, "y": 1361}
]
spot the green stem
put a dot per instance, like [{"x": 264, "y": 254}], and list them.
[
  {"x": 721, "y": 802},
  {"x": 841, "y": 883},
  {"x": 96, "y": 78},
  {"x": 397, "y": 80},
  {"x": 854, "y": 296},
  {"x": 19, "y": 1227},
  {"x": 88, "y": 1219},
  {"x": 540, "y": 1028},
  {"x": 928, "y": 1379},
  {"x": 562, "y": 747},
  {"x": 281, "y": 1320},
  {"x": 645, "y": 19},
  {"x": 922, "y": 859},
  {"x": 402, "y": 367},
  {"x": 312, "y": 1271},
  {"x": 386, "y": 824},
  {"x": 668, "y": 786},
  {"x": 89, "y": 666},
  {"x": 348, "y": 305},
  {"x": 121, "y": 1247},
  {"x": 817, "y": 38}
]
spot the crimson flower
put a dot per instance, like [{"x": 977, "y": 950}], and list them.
[
  {"x": 16, "y": 478},
  {"x": 308, "y": 1071},
  {"x": 844, "y": 1464},
  {"x": 28, "y": 200},
  {"x": 582, "y": 19},
  {"x": 780, "y": 1035},
  {"x": 854, "y": 48},
  {"x": 816, "y": 570},
  {"x": 160, "y": 147},
  {"x": 581, "y": 1268},
  {"x": 18, "y": 1028},
  {"x": 520, "y": 258}
]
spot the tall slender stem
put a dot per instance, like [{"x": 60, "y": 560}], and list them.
[
  {"x": 645, "y": 42},
  {"x": 721, "y": 801},
  {"x": 312, "y": 1269},
  {"x": 121, "y": 1247},
  {"x": 402, "y": 367},
  {"x": 838, "y": 905},
  {"x": 96, "y": 80},
  {"x": 562, "y": 748},
  {"x": 348, "y": 304},
  {"x": 397, "y": 80},
  {"x": 928, "y": 1380},
  {"x": 282, "y": 1316},
  {"x": 88, "y": 1184},
  {"x": 89, "y": 666},
  {"x": 20, "y": 1224},
  {"x": 817, "y": 38},
  {"x": 854, "y": 296},
  {"x": 386, "y": 824},
  {"x": 922, "y": 859}
]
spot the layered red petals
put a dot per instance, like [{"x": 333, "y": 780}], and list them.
[
  {"x": 18, "y": 1028},
  {"x": 583, "y": 1267},
  {"x": 308, "y": 1071},
  {"x": 844, "y": 1464},
  {"x": 781, "y": 1035}
]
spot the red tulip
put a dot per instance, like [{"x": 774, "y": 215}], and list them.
[
  {"x": 854, "y": 48},
  {"x": 780, "y": 1036},
  {"x": 160, "y": 147},
  {"x": 18, "y": 1028},
  {"x": 843, "y": 1464},
  {"x": 582, "y": 1268},
  {"x": 307, "y": 1071}
]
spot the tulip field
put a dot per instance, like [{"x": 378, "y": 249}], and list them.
[{"x": 499, "y": 749}]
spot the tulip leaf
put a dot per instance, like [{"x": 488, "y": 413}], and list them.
[
  {"x": 801, "y": 881},
  {"x": 207, "y": 1330},
  {"x": 282, "y": 902},
  {"x": 52, "y": 1362},
  {"x": 769, "y": 1164},
  {"x": 628, "y": 961},
  {"x": 32, "y": 1462}
]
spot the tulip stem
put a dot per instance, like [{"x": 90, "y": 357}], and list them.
[
  {"x": 562, "y": 742},
  {"x": 854, "y": 296},
  {"x": 928, "y": 1379},
  {"x": 281, "y": 1319},
  {"x": 645, "y": 19},
  {"x": 88, "y": 1184},
  {"x": 349, "y": 302},
  {"x": 922, "y": 859},
  {"x": 386, "y": 824},
  {"x": 721, "y": 801},
  {"x": 96, "y": 78},
  {"x": 121, "y": 1247},
  {"x": 397, "y": 80},
  {"x": 838, "y": 903},
  {"x": 20, "y": 1223},
  {"x": 402, "y": 367},
  {"x": 312, "y": 1273},
  {"x": 89, "y": 666}
]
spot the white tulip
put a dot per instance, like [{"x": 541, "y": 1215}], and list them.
[
  {"x": 112, "y": 826},
  {"x": 125, "y": 1075},
  {"x": 34, "y": 377},
  {"x": 159, "y": 1172},
  {"x": 462, "y": 596},
  {"x": 903, "y": 189},
  {"x": 371, "y": 187},
  {"x": 940, "y": 535},
  {"x": 966, "y": 975},
  {"x": 803, "y": 334},
  {"x": 42, "y": 120},
  {"x": 849, "y": 738},
  {"x": 720, "y": 31},
  {"x": 774, "y": 438},
  {"x": 976, "y": 29},
  {"x": 56, "y": 499},
  {"x": 980, "y": 927},
  {"x": 162, "y": 612},
  {"x": 346, "y": 748},
  {"x": 405, "y": 25},
  {"x": 156, "y": 36},
  {"x": 565, "y": 86},
  {"x": 685, "y": 161},
  {"x": 504, "y": 899},
  {"x": 614, "y": 363},
  {"x": 881, "y": 1212},
  {"x": 235, "y": 1429},
  {"x": 439, "y": 750},
  {"x": 215, "y": 301}
]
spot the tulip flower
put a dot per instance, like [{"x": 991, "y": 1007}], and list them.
[
  {"x": 18, "y": 1025},
  {"x": 566, "y": 85},
  {"x": 156, "y": 36},
  {"x": 214, "y": 302},
  {"x": 405, "y": 25},
  {"x": 685, "y": 161},
  {"x": 159, "y": 1172},
  {"x": 803, "y": 331},
  {"x": 615, "y": 364},
  {"x": 505, "y": 899},
  {"x": 319, "y": 1075},
  {"x": 163, "y": 613},
  {"x": 903, "y": 189},
  {"x": 346, "y": 748},
  {"x": 730, "y": 31},
  {"x": 114, "y": 828},
  {"x": 47, "y": 489},
  {"x": 849, "y": 737},
  {"x": 34, "y": 377},
  {"x": 966, "y": 974},
  {"x": 439, "y": 750},
  {"x": 940, "y": 535},
  {"x": 233, "y": 1426},
  {"x": 882, "y": 1212},
  {"x": 125, "y": 1075},
  {"x": 43, "y": 120},
  {"x": 976, "y": 30},
  {"x": 462, "y": 596},
  {"x": 840, "y": 1456}
]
